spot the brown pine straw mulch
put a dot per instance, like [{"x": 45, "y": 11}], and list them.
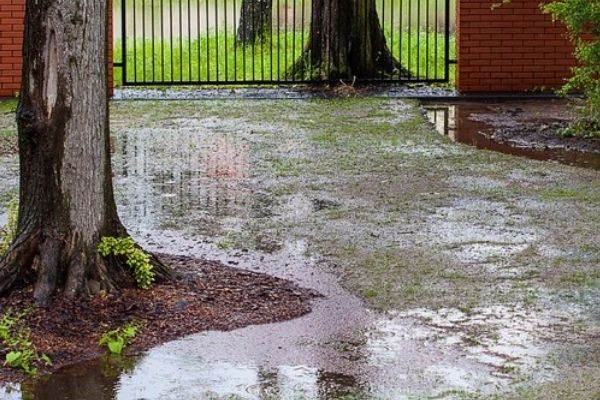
[{"x": 218, "y": 297}]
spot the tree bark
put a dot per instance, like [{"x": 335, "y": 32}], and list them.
[
  {"x": 346, "y": 42},
  {"x": 255, "y": 21},
  {"x": 66, "y": 192}
]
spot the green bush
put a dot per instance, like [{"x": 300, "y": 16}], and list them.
[
  {"x": 582, "y": 19},
  {"x": 135, "y": 258},
  {"x": 7, "y": 235}
]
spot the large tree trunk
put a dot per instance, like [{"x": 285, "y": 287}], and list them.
[
  {"x": 66, "y": 193},
  {"x": 255, "y": 21},
  {"x": 346, "y": 42}
]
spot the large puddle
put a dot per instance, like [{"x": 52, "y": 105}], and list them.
[
  {"x": 191, "y": 185},
  {"x": 484, "y": 125}
]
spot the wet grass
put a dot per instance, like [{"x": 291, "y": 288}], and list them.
[{"x": 222, "y": 59}]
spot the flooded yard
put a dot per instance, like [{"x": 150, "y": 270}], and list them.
[{"x": 447, "y": 271}]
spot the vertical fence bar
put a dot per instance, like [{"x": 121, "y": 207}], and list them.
[
  {"x": 124, "y": 51},
  {"x": 419, "y": 74},
  {"x": 198, "y": 41},
  {"x": 207, "y": 41},
  {"x": 427, "y": 32},
  {"x": 189, "y": 18},
  {"x": 226, "y": 49},
  {"x": 172, "y": 78},
  {"x": 180, "y": 41},
  {"x": 134, "y": 44},
  {"x": 253, "y": 21},
  {"x": 261, "y": 21},
  {"x": 153, "y": 50},
  {"x": 278, "y": 41},
  {"x": 383, "y": 29},
  {"x": 235, "y": 22},
  {"x": 447, "y": 40},
  {"x": 302, "y": 72},
  {"x": 285, "y": 38},
  {"x": 143, "y": 40},
  {"x": 271, "y": 42},
  {"x": 437, "y": 25},
  {"x": 217, "y": 40},
  {"x": 162, "y": 41}
]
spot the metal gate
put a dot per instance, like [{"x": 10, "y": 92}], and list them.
[{"x": 205, "y": 42}]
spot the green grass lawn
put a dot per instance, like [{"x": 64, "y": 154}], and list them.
[{"x": 220, "y": 58}]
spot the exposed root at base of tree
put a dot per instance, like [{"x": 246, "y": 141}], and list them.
[
  {"x": 213, "y": 297},
  {"x": 57, "y": 265}
]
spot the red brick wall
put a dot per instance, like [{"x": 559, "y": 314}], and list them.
[
  {"x": 512, "y": 48},
  {"x": 12, "y": 13},
  {"x": 11, "y": 42}
]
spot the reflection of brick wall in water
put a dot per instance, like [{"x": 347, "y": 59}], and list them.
[
  {"x": 12, "y": 15},
  {"x": 512, "y": 48}
]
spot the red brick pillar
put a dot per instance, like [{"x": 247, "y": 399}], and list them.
[
  {"x": 12, "y": 15},
  {"x": 512, "y": 48},
  {"x": 11, "y": 43}
]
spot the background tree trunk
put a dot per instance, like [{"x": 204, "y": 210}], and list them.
[
  {"x": 255, "y": 21},
  {"x": 347, "y": 41},
  {"x": 66, "y": 193}
]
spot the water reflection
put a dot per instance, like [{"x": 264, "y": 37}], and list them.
[
  {"x": 462, "y": 124},
  {"x": 170, "y": 378},
  {"x": 175, "y": 179}
]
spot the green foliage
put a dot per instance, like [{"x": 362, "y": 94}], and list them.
[
  {"x": 8, "y": 234},
  {"x": 582, "y": 19},
  {"x": 117, "y": 339},
  {"x": 20, "y": 351},
  {"x": 136, "y": 258}
]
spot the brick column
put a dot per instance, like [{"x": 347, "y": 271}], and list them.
[
  {"x": 11, "y": 42},
  {"x": 12, "y": 15},
  {"x": 512, "y": 48}
]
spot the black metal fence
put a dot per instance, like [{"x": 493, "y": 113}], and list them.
[{"x": 191, "y": 42}]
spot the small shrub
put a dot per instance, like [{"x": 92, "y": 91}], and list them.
[
  {"x": 136, "y": 258},
  {"x": 582, "y": 19},
  {"x": 117, "y": 339},
  {"x": 20, "y": 351},
  {"x": 8, "y": 234}
]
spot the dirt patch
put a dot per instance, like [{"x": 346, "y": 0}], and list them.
[
  {"x": 216, "y": 297},
  {"x": 535, "y": 125}
]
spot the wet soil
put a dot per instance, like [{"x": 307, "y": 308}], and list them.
[
  {"x": 212, "y": 297},
  {"x": 531, "y": 129}
]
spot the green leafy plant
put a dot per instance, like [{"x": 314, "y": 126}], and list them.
[
  {"x": 8, "y": 234},
  {"x": 136, "y": 258},
  {"x": 20, "y": 353},
  {"x": 582, "y": 19},
  {"x": 117, "y": 339}
]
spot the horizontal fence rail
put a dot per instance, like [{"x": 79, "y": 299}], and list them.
[{"x": 192, "y": 42}]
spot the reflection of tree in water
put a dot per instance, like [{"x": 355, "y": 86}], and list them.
[
  {"x": 97, "y": 380},
  {"x": 107, "y": 379},
  {"x": 172, "y": 177}
]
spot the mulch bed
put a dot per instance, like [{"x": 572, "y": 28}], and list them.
[{"x": 217, "y": 297}]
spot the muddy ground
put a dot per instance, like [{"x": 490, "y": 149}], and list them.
[
  {"x": 207, "y": 296},
  {"x": 477, "y": 273}
]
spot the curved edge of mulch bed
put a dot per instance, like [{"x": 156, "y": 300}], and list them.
[{"x": 217, "y": 297}]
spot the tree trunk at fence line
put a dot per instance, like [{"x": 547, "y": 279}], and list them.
[
  {"x": 255, "y": 21},
  {"x": 66, "y": 202},
  {"x": 346, "y": 42}
]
